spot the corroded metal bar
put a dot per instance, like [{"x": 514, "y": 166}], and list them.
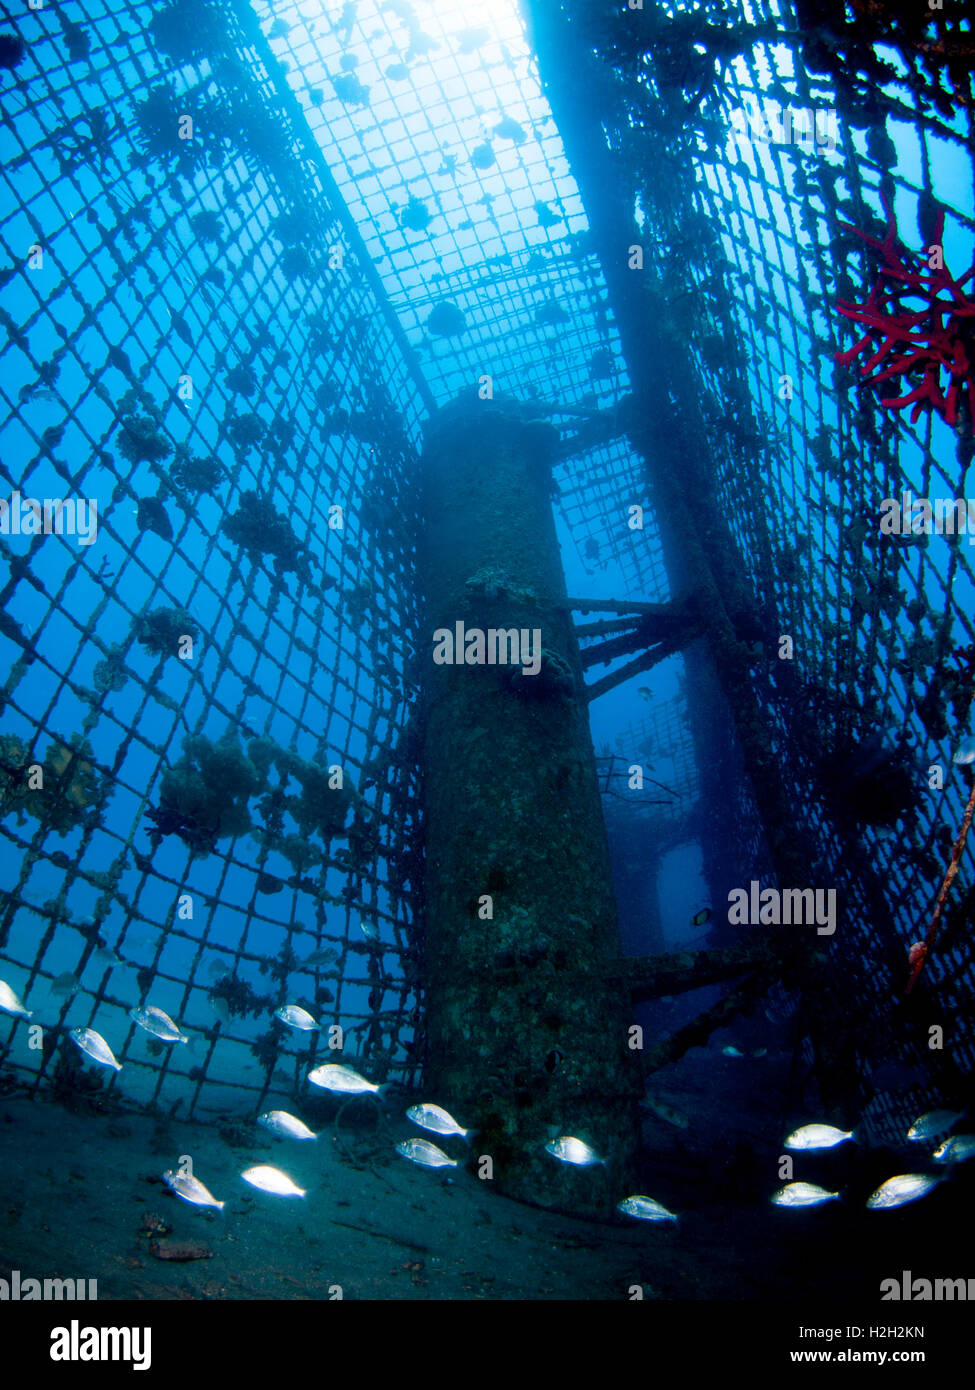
[
  {"x": 526, "y": 1035},
  {"x": 650, "y": 977},
  {"x": 696, "y": 1034}
]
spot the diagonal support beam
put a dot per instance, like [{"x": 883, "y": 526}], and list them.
[
  {"x": 697, "y": 1033},
  {"x": 655, "y": 630},
  {"x": 628, "y": 605},
  {"x": 651, "y": 977},
  {"x": 631, "y": 669}
]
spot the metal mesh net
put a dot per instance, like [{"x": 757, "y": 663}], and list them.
[
  {"x": 193, "y": 340},
  {"x": 792, "y": 129},
  {"x": 246, "y": 251}
]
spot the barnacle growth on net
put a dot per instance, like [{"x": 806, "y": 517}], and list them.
[
  {"x": 207, "y": 226},
  {"x": 245, "y": 430},
  {"x": 283, "y": 965},
  {"x": 161, "y": 631},
  {"x": 258, "y": 528},
  {"x": 59, "y": 791},
  {"x": 322, "y": 802},
  {"x": 265, "y": 1048},
  {"x": 194, "y": 474},
  {"x": 76, "y": 1087},
  {"x": 241, "y": 998},
  {"x": 159, "y": 117},
  {"x": 141, "y": 440},
  {"x": 349, "y": 90},
  {"x": 152, "y": 516},
  {"x": 188, "y": 30},
  {"x": 110, "y": 675},
  {"x": 204, "y": 797},
  {"x": 242, "y": 379},
  {"x": 13, "y": 51},
  {"x": 868, "y": 782},
  {"x": 415, "y": 216}
]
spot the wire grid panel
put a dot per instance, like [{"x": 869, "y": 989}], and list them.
[
  {"x": 443, "y": 146},
  {"x": 602, "y": 495},
  {"x": 894, "y": 617},
  {"x": 804, "y": 454},
  {"x": 442, "y": 143},
  {"x": 212, "y": 690},
  {"x": 660, "y": 743},
  {"x": 445, "y": 150}
]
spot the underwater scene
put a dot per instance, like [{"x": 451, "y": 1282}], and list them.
[{"x": 487, "y": 755}]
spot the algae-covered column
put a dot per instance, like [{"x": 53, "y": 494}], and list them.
[{"x": 525, "y": 1039}]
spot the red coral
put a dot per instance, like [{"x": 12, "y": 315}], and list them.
[{"x": 938, "y": 336}]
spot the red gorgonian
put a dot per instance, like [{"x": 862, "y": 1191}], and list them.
[{"x": 921, "y": 325}]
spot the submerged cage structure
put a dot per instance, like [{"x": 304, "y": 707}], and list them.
[{"x": 248, "y": 251}]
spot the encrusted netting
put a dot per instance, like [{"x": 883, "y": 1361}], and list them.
[
  {"x": 212, "y": 318},
  {"x": 207, "y": 777},
  {"x": 755, "y": 211},
  {"x": 664, "y": 790},
  {"x": 247, "y": 250}
]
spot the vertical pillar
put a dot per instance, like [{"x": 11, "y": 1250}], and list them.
[{"x": 525, "y": 1038}]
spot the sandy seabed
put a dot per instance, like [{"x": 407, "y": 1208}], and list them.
[{"x": 81, "y": 1197}]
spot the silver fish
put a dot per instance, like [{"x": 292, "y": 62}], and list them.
[
  {"x": 569, "y": 1150},
  {"x": 65, "y": 985},
  {"x": 645, "y": 1209},
  {"x": 802, "y": 1194},
  {"x": 268, "y": 1179},
  {"x": 956, "y": 1149},
  {"x": 370, "y": 932},
  {"x": 666, "y": 1112},
  {"x": 817, "y": 1137},
  {"x": 107, "y": 957},
  {"x": 217, "y": 968},
  {"x": 932, "y": 1124},
  {"x": 731, "y": 1051},
  {"x": 287, "y": 1126},
  {"x": 426, "y": 1154},
  {"x": 10, "y": 1003},
  {"x": 145, "y": 939},
  {"x": 319, "y": 958},
  {"x": 93, "y": 1045},
  {"x": 324, "y": 956},
  {"x": 296, "y": 1017},
  {"x": 191, "y": 1190},
  {"x": 435, "y": 1118},
  {"x": 897, "y": 1192},
  {"x": 965, "y": 753},
  {"x": 158, "y": 1023},
  {"x": 333, "y": 1077},
  {"x": 220, "y": 1007}
]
